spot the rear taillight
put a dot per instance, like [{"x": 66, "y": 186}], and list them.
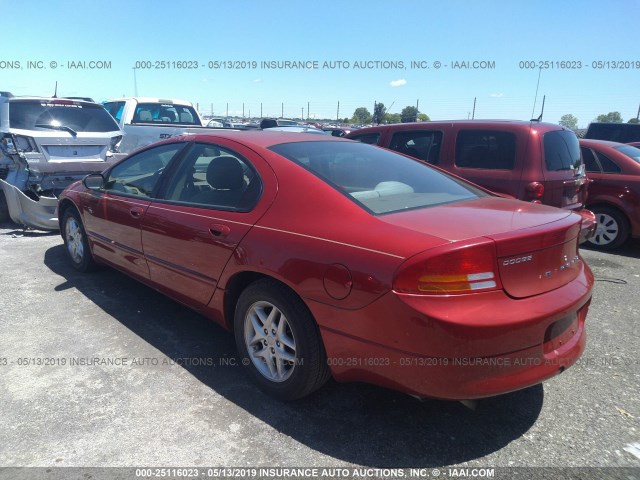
[
  {"x": 61, "y": 101},
  {"x": 464, "y": 269},
  {"x": 535, "y": 191},
  {"x": 115, "y": 141},
  {"x": 25, "y": 144},
  {"x": 12, "y": 144},
  {"x": 588, "y": 225}
]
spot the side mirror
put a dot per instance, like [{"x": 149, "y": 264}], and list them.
[{"x": 93, "y": 181}]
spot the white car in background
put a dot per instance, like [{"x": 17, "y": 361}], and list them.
[{"x": 45, "y": 145}]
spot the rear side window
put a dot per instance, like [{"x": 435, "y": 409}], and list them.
[
  {"x": 486, "y": 149},
  {"x": 608, "y": 165},
  {"x": 561, "y": 150},
  {"x": 214, "y": 176},
  {"x": 165, "y": 114},
  {"x": 370, "y": 138},
  {"x": 421, "y": 144},
  {"x": 590, "y": 162},
  {"x": 63, "y": 115},
  {"x": 115, "y": 109}
]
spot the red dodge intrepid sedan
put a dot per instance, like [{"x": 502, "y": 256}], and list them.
[{"x": 328, "y": 257}]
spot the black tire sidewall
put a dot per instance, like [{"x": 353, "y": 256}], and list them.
[
  {"x": 87, "y": 260},
  {"x": 309, "y": 348},
  {"x": 623, "y": 228}
]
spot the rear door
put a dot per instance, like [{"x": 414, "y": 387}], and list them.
[
  {"x": 209, "y": 203},
  {"x": 564, "y": 175}
]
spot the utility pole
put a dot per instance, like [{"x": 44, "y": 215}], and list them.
[
  {"x": 242, "y": 110},
  {"x": 260, "y": 109},
  {"x": 135, "y": 83},
  {"x": 535, "y": 99},
  {"x": 474, "y": 108},
  {"x": 212, "y": 109},
  {"x": 638, "y": 115},
  {"x": 301, "y": 113},
  {"x": 308, "y": 116},
  {"x": 338, "y": 113},
  {"x": 227, "y": 109},
  {"x": 282, "y": 112},
  {"x": 417, "y": 109}
]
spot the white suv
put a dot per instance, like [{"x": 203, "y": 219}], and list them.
[{"x": 45, "y": 145}]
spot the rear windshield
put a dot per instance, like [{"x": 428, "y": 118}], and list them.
[
  {"x": 630, "y": 151},
  {"x": 561, "y": 150},
  {"x": 379, "y": 180},
  {"x": 58, "y": 115},
  {"x": 165, "y": 114}
]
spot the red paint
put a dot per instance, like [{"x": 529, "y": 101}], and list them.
[{"x": 343, "y": 262}]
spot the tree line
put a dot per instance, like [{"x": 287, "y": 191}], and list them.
[
  {"x": 363, "y": 116},
  {"x": 570, "y": 121}
]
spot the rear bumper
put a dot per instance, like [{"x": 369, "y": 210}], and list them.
[
  {"x": 42, "y": 214},
  {"x": 459, "y": 348}
]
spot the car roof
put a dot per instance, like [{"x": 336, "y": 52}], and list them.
[
  {"x": 602, "y": 143},
  {"x": 262, "y": 138},
  {"x": 52, "y": 99},
  {"x": 476, "y": 123},
  {"x": 174, "y": 101}
]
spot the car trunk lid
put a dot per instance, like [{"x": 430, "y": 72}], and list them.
[{"x": 536, "y": 245}]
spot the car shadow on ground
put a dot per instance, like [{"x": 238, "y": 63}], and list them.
[
  {"x": 16, "y": 230},
  {"x": 356, "y": 423},
  {"x": 630, "y": 248}
]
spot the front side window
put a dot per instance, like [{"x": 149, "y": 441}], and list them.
[
  {"x": 561, "y": 151},
  {"x": 492, "y": 150},
  {"x": 139, "y": 174},
  {"x": 214, "y": 176},
  {"x": 379, "y": 180},
  {"x": 421, "y": 144}
]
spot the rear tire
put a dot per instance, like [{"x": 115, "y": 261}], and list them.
[
  {"x": 75, "y": 241},
  {"x": 279, "y": 341},
  {"x": 612, "y": 228}
]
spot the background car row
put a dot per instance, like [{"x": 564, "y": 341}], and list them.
[{"x": 531, "y": 161}]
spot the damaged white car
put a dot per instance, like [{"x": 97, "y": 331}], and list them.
[{"x": 45, "y": 145}]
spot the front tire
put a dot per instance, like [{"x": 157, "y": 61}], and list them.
[
  {"x": 279, "y": 341},
  {"x": 612, "y": 228},
  {"x": 75, "y": 242}
]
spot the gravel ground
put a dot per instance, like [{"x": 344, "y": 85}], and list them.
[{"x": 163, "y": 405}]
